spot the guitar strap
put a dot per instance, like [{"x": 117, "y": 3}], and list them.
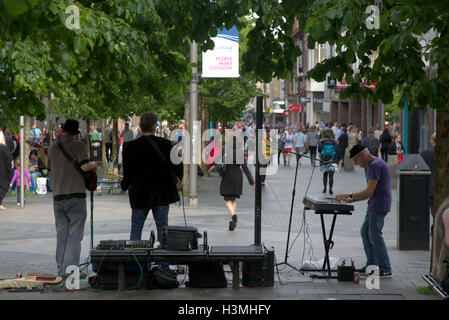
[{"x": 69, "y": 157}]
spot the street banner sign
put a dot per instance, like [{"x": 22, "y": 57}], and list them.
[{"x": 223, "y": 60}]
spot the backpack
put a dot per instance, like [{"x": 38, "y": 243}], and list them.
[
  {"x": 373, "y": 146},
  {"x": 162, "y": 278},
  {"x": 328, "y": 152}
]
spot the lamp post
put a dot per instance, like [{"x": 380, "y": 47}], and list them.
[{"x": 22, "y": 161}]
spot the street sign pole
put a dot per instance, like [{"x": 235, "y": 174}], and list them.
[
  {"x": 22, "y": 161},
  {"x": 193, "y": 88},
  {"x": 258, "y": 193}
]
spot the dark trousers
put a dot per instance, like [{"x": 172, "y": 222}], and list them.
[
  {"x": 312, "y": 151},
  {"x": 331, "y": 179},
  {"x": 384, "y": 154}
]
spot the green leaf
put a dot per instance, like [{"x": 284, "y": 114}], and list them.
[
  {"x": 16, "y": 7},
  {"x": 79, "y": 45}
]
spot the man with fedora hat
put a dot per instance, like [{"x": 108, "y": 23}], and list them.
[
  {"x": 378, "y": 191},
  {"x": 69, "y": 195}
]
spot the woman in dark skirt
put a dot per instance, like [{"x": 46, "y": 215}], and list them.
[{"x": 232, "y": 181}]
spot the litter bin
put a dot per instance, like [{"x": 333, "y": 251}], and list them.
[
  {"x": 413, "y": 206},
  {"x": 95, "y": 150}
]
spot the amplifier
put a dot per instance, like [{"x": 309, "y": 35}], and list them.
[{"x": 259, "y": 273}]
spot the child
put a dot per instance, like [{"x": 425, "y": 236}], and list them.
[
  {"x": 16, "y": 179},
  {"x": 328, "y": 151}
]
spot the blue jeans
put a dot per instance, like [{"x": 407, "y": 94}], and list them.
[
  {"x": 160, "y": 215},
  {"x": 373, "y": 242}
]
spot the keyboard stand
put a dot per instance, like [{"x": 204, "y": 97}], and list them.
[{"x": 328, "y": 244}]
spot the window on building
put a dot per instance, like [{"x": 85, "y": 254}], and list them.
[{"x": 316, "y": 55}]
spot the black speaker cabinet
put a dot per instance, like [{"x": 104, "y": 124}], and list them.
[{"x": 259, "y": 273}]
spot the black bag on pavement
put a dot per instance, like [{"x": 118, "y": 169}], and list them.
[
  {"x": 345, "y": 272},
  {"x": 180, "y": 238},
  {"x": 162, "y": 278},
  {"x": 108, "y": 280},
  {"x": 207, "y": 275}
]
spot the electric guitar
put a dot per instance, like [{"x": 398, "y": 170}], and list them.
[{"x": 90, "y": 177}]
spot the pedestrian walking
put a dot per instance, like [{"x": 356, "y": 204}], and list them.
[
  {"x": 313, "y": 139},
  {"x": 213, "y": 151},
  {"x": 300, "y": 143},
  {"x": 17, "y": 180},
  {"x": 267, "y": 155},
  {"x": 372, "y": 143},
  {"x": 231, "y": 185},
  {"x": 288, "y": 146},
  {"x": 385, "y": 142},
  {"x": 343, "y": 142},
  {"x": 328, "y": 151},
  {"x": 281, "y": 144}
]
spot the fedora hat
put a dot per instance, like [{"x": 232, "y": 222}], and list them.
[
  {"x": 355, "y": 150},
  {"x": 71, "y": 126}
]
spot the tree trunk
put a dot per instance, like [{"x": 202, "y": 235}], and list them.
[
  {"x": 26, "y": 132},
  {"x": 88, "y": 137},
  {"x": 441, "y": 183},
  {"x": 50, "y": 121},
  {"x": 115, "y": 142},
  {"x": 104, "y": 162}
]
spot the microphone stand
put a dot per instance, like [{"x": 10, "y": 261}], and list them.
[{"x": 298, "y": 156}]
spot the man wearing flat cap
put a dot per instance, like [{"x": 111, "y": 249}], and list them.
[
  {"x": 378, "y": 193},
  {"x": 69, "y": 195}
]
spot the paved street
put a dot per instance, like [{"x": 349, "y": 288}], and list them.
[{"x": 27, "y": 240}]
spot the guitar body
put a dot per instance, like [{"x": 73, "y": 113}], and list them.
[{"x": 90, "y": 179}]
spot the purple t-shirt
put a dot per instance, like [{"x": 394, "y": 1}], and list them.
[{"x": 381, "y": 199}]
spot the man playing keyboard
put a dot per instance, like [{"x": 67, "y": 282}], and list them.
[{"x": 378, "y": 193}]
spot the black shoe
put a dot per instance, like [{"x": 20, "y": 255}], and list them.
[
  {"x": 330, "y": 191},
  {"x": 231, "y": 225},
  {"x": 385, "y": 274},
  {"x": 234, "y": 219},
  {"x": 324, "y": 190}
]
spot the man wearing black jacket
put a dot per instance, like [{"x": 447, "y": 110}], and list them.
[{"x": 149, "y": 175}]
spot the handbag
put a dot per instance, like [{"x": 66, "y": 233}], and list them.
[{"x": 90, "y": 177}]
